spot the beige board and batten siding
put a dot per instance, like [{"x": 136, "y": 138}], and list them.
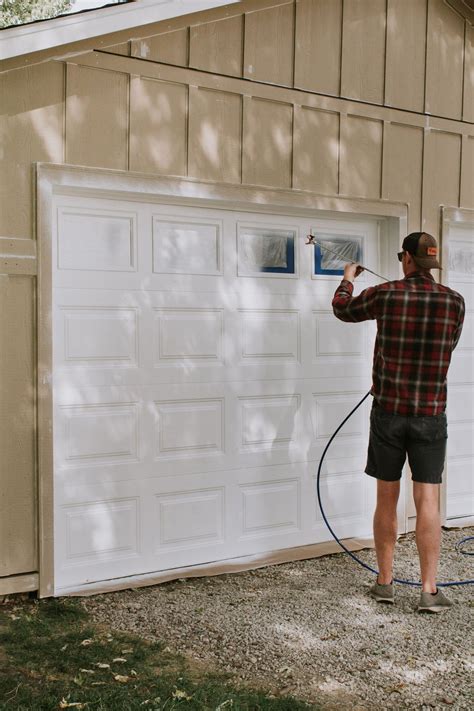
[
  {"x": 318, "y": 46},
  {"x": 31, "y": 129},
  {"x": 311, "y": 95},
  {"x": 444, "y": 61},
  {"x": 405, "y": 58},
  {"x": 18, "y": 519},
  {"x": 158, "y": 126}
]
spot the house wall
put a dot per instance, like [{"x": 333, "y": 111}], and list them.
[{"x": 362, "y": 98}]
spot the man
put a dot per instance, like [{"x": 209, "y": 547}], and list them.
[{"x": 419, "y": 323}]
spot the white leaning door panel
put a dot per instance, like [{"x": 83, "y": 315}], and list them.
[
  {"x": 460, "y": 410},
  {"x": 193, "y": 394}
]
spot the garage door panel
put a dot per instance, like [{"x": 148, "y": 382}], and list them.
[
  {"x": 192, "y": 246},
  {"x": 105, "y": 433},
  {"x": 96, "y": 240},
  {"x": 98, "y": 532},
  {"x": 461, "y": 403},
  {"x": 98, "y": 245},
  {"x": 270, "y": 335},
  {"x": 189, "y": 428},
  {"x": 191, "y": 336},
  {"x": 335, "y": 339},
  {"x": 188, "y": 519},
  {"x": 100, "y": 337},
  {"x": 460, "y": 486},
  {"x": 347, "y": 507},
  {"x": 466, "y": 341},
  {"x": 326, "y": 417},
  {"x": 267, "y": 422},
  {"x": 270, "y": 507}
]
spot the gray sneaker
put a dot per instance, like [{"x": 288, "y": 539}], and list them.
[
  {"x": 382, "y": 593},
  {"x": 433, "y": 602}
]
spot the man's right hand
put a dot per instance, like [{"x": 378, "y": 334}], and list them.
[{"x": 352, "y": 271}]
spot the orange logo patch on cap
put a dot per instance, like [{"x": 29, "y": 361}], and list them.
[{"x": 432, "y": 251}]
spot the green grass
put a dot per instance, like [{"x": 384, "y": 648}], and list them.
[{"x": 50, "y": 655}]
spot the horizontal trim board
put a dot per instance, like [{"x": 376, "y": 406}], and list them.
[
  {"x": 84, "y": 180},
  {"x": 13, "y": 247},
  {"x": 19, "y": 583},
  {"x": 463, "y": 9},
  {"x": 458, "y": 214},
  {"x": 18, "y": 265},
  {"x": 234, "y": 565},
  {"x": 262, "y": 90}
]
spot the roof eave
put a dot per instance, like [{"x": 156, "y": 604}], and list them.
[{"x": 68, "y": 29}]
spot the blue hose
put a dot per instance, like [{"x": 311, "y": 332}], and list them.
[{"x": 413, "y": 583}]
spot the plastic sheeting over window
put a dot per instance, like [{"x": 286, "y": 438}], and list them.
[
  {"x": 339, "y": 252},
  {"x": 266, "y": 250}
]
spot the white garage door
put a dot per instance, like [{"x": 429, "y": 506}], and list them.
[
  {"x": 460, "y": 455},
  {"x": 198, "y": 372}
]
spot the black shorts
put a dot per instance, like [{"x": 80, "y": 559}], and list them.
[{"x": 392, "y": 437}]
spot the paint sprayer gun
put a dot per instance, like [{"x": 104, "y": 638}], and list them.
[{"x": 311, "y": 239}]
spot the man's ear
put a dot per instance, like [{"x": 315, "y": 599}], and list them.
[{"x": 410, "y": 261}]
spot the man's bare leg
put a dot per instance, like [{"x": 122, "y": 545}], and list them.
[
  {"x": 385, "y": 527},
  {"x": 428, "y": 532}
]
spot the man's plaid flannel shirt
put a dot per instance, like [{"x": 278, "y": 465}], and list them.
[{"x": 419, "y": 323}]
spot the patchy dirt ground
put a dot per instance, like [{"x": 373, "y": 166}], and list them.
[{"x": 310, "y": 629}]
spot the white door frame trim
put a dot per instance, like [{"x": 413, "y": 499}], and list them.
[{"x": 55, "y": 179}]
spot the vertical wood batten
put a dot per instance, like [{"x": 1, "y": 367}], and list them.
[
  {"x": 406, "y": 50},
  {"x": 361, "y": 157},
  {"x": 267, "y": 141},
  {"x": 96, "y": 117},
  {"x": 170, "y": 47},
  {"x": 269, "y": 45},
  {"x": 403, "y": 169},
  {"x": 316, "y": 150},
  {"x": 441, "y": 176},
  {"x": 158, "y": 126},
  {"x": 467, "y": 172},
  {"x": 468, "y": 98},
  {"x": 18, "y": 495},
  {"x": 444, "y": 61},
  {"x": 218, "y": 46},
  {"x": 318, "y": 45},
  {"x": 215, "y": 125},
  {"x": 31, "y": 129},
  {"x": 363, "y": 50}
]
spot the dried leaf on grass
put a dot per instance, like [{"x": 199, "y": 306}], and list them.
[
  {"x": 122, "y": 679},
  {"x": 64, "y": 704},
  {"x": 179, "y": 694}
]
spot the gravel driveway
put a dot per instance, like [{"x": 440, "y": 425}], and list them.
[{"x": 309, "y": 629}]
